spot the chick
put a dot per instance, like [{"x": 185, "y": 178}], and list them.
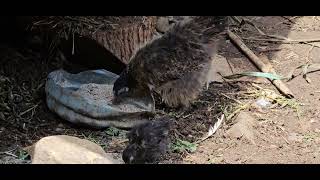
[{"x": 147, "y": 142}]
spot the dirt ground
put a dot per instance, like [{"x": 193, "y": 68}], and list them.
[{"x": 279, "y": 134}]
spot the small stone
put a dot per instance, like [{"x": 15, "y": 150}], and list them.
[
  {"x": 272, "y": 146},
  {"x": 243, "y": 128},
  {"x": 58, "y": 129},
  {"x": 313, "y": 121},
  {"x": 263, "y": 103},
  {"x": 294, "y": 137}
]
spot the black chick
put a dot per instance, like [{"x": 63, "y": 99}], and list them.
[
  {"x": 147, "y": 142},
  {"x": 177, "y": 65}
]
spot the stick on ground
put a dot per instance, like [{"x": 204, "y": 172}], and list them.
[{"x": 262, "y": 66}]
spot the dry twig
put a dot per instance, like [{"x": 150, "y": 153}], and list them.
[
  {"x": 287, "y": 20},
  {"x": 262, "y": 66}
]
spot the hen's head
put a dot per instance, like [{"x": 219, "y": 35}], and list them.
[{"x": 124, "y": 87}]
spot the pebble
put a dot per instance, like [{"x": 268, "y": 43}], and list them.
[{"x": 58, "y": 129}]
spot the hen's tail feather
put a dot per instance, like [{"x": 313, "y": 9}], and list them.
[{"x": 206, "y": 28}]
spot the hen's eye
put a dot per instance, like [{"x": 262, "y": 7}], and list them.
[{"x": 123, "y": 90}]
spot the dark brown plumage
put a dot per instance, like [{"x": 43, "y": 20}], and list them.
[
  {"x": 147, "y": 142},
  {"x": 177, "y": 65}
]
